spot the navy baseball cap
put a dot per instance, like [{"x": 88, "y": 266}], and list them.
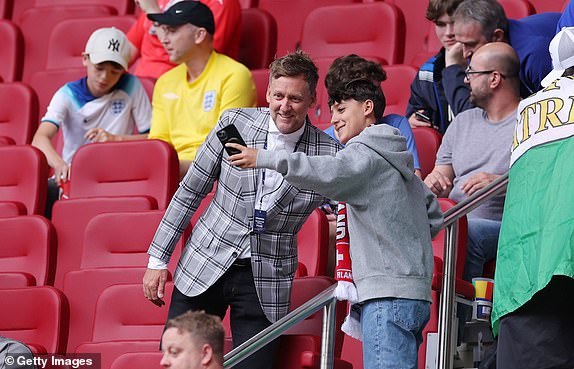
[{"x": 183, "y": 12}]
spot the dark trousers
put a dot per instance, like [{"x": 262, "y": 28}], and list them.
[
  {"x": 235, "y": 289},
  {"x": 540, "y": 334}
]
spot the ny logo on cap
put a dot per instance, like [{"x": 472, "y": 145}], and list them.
[{"x": 114, "y": 45}]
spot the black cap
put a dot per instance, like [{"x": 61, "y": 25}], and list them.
[{"x": 183, "y": 12}]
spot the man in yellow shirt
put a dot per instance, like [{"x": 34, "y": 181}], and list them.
[{"x": 188, "y": 100}]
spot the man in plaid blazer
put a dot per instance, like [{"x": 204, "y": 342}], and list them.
[{"x": 243, "y": 250}]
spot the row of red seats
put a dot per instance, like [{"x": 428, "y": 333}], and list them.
[
  {"x": 120, "y": 320},
  {"x": 29, "y": 49},
  {"x": 394, "y": 31}
]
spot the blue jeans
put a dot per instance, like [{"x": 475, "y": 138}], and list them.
[
  {"x": 481, "y": 246},
  {"x": 392, "y": 332}
]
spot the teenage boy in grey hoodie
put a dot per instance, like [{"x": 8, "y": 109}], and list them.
[{"x": 392, "y": 218}]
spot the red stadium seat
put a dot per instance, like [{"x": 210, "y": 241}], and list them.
[
  {"x": 258, "y": 38},
  {"x": 124, "y": 314},
  {"x": 246, "y": 4},
  {"x": 374, "y": 30},
  {"x": 83, "y": 287},
  {"x": 313, "y": 243},
  {"x": 261, "y": 79},
  {"x": 427, "y": 141},
  {"x": 19, "y": 118},
  {"x": 148, "y": 84},
  {"x": 126, "y": 168},
  {"x": 124, "y": 319},
  {"x": 516, "y": 9},
  {"x": 114, "y": 240},
  {"x": 542, "y": 6},
  {"x": 23, "y": 179},
  {"x": 66, "y": 52},
  {"x": 16, "y": 280},
  {"x": 397, "y": 87},
  {"x": 70, "y": 218},
  {"x": 47, "y": 82},
  {"x": 122, "y": 7},
  {"x": 12, "y": 55},
  {"x": 28, "y": 247},
  {"x": 37, "y": 316},
  {"x": 300, "y": 346},
  {"x": 290, "y": 16},
  {"x": 5, "y": 9},
  {"x": 35, "y": 23},
  {"x": 140, "y": 360},
  {"x": 10, "y": 209}
]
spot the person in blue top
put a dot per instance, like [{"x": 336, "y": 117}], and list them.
[
  {"x": 477, "y": 22},
  {"x": 427, "y": 92},
  {"x": 352, "y": 67}
]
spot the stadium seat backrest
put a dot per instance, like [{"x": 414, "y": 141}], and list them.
[
  {"x": 416, "y": 26},
  {"x": 37, "y": 316},
  {"x": 261, "y": 79},
  {"x": 19, "y": 117},
  {"x": 28, "y": 246},
  {"x": 516, "y": 9},
  {"x": 23, "y": 179},
  {"x": 123, "y": 314},
  {"x": 370, "y": 29},
  {"x": 70, "y": 218},
  {"x": 397, "y": 87},
  {"x": 148, "y": 84},
  {"x": 428, "y": 141},
  {"x": 83, "y": 287},
  {"x": 122, "y": 7},
  {"x": 304, "y": 289},
  {"x": 122, "y": 240},
  {"x": 65, "y": 51},
  {"x": 46, "y": 82},
  {"x": 290, "y": 16},
  {"x": 126, "y": 168},
  {"x": 6, "y": 9},
  {"x": 140, "y": 360},
  {"x": 258, "y": 40},
  {"x": 246, "y": 4},
  {"x": 313, "y": 243},
  {"x": 36, "y": 22},
  {"x": 12, "y": 55}
]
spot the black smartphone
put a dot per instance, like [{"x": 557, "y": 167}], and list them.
[
  {"x": 230, "y": 134},
  {"x": 423, "y": 116}
]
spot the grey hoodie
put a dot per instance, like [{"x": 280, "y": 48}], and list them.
[{"x": 392, "y": 213}]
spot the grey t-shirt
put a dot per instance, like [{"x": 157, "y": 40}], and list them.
[{"x": 473, "y": 144}]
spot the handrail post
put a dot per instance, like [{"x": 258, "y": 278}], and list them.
[
  {"x": 446, "y": 307},
  {"x": 328, "y": 336}
]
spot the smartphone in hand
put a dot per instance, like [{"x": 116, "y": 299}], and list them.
[
  {"x": 423, "y": 116},
  {"x": 230, "y": 134}
]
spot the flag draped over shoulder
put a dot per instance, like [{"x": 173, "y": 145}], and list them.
[{"x": 537, "y": 234}]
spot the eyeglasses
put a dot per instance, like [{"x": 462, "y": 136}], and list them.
[{"x": 468, "y": 72}]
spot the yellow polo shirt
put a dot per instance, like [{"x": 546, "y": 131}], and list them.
[{"x": 184, "y": 113}]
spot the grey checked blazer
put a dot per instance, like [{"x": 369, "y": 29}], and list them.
[{"x": 225, "y": 228}]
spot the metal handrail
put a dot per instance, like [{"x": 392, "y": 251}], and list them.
[
  {"x": 324, "y": 300},
  {"x": 327, "y": 301},
  {"x": 446, "y": 306}
]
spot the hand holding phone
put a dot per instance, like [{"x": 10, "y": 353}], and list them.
[
  {"x": 423, "y": 116},
  {"x": 230, "y": 134}
]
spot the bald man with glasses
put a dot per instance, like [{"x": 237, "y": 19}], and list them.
[{"x": 476, "y": 147}]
